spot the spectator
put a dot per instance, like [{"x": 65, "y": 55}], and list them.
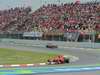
[{"x": 51, "y": 18}]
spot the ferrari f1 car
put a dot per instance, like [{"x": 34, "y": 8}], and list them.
[{"x": 58, "y": 60}]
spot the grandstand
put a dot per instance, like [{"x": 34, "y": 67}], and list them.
[{"x": 63, "y": 21}]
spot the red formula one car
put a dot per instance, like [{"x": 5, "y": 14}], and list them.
[
  {"x": 60, "y": 59},
  {"x": 50, "y": 45}
]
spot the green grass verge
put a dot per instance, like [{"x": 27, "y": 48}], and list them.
[{"x": 11, "y": 56}]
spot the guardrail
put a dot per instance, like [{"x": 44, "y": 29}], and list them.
[{"x": 43, "y": 43}]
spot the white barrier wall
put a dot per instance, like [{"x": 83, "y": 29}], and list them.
[{"x": 43, "y": 43}]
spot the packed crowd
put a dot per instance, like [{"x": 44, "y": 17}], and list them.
[
  {"x": 15, "y": 20},
  {"x": 68, "y": 17},
  {"x": 51, "y": 18}
]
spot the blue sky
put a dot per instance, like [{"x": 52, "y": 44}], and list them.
[{"x": 6, "y": 4}]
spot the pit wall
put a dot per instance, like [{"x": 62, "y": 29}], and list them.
[{"x": 43, "y": 43}]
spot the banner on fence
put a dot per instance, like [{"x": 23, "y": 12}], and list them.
[{"x": 32, "y": 34}]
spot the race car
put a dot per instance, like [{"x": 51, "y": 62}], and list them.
[
  {"x": 50, "y": 45},
  {"x": 60, "y": 59}
]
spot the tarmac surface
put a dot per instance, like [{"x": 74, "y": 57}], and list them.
[
  {"x": 86, "y": 57},
  {"x": 73, "y": 73},
  {"x": 76, "y": 73}
]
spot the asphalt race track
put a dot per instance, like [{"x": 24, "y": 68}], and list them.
[
  {"x": 73, "y": 73},
  {"x": 86, "y": 57},
  {"x": 76, "y": 73}
]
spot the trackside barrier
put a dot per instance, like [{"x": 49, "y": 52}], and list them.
[{"x": 43, "y": 43}]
